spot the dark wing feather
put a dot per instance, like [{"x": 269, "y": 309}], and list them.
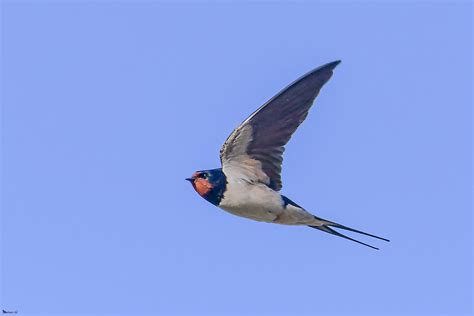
[{"x": 257, "y": 145}]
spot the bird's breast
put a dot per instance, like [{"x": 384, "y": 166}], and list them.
[
  {"x": 202, "y": 187},
  {"x": 254, "y": 201}
]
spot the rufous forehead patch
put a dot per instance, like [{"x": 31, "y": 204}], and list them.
[{"x": 202, "y": 186}]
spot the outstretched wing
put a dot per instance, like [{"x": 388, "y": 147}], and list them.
[{"x": 254, "y": 150}]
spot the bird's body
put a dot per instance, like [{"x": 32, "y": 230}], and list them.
[
  {"x": 245, "y": 199},
  {"x": 249, "y": 182}
]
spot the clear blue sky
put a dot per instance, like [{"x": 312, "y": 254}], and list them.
[{"x": 108, "y": 106}]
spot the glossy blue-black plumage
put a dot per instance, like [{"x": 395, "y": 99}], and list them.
[
  {"x": 218, "y": 181},
  {"x": 287, "y": 201}
]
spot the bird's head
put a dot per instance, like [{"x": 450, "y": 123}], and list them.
[{"x": 210, "y": 184}]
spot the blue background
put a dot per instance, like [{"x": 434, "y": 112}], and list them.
[{"x": 108, "y": 106}]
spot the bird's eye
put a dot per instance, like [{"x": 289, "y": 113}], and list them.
[{"x": 203, "y": 175}]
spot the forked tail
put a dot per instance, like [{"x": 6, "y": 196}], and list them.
[{"x": 326, "y": 227}]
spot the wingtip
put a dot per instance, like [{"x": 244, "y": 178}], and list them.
[
  {"x": 329, "y": 66},
  {"x": 333, "y": 64}
]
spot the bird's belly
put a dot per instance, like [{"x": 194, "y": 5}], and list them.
[
  {"x": 256, "y": 202},
  {"x": 251, "y": 211}
]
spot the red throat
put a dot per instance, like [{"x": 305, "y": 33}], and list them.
[{"x": 202, "y": 186}]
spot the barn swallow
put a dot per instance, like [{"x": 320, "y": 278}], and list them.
[{"x": 249, "y": 181}]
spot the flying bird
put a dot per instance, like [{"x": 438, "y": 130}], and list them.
[{"x": 249, "y": 181}]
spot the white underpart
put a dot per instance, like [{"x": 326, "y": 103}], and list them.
[{"x": 259, "y": 202}]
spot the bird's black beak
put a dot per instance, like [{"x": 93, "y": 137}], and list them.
[{"x": 189, "y": 179}]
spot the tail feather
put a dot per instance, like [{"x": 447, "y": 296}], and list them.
[{"x": 325, "y": 227}]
